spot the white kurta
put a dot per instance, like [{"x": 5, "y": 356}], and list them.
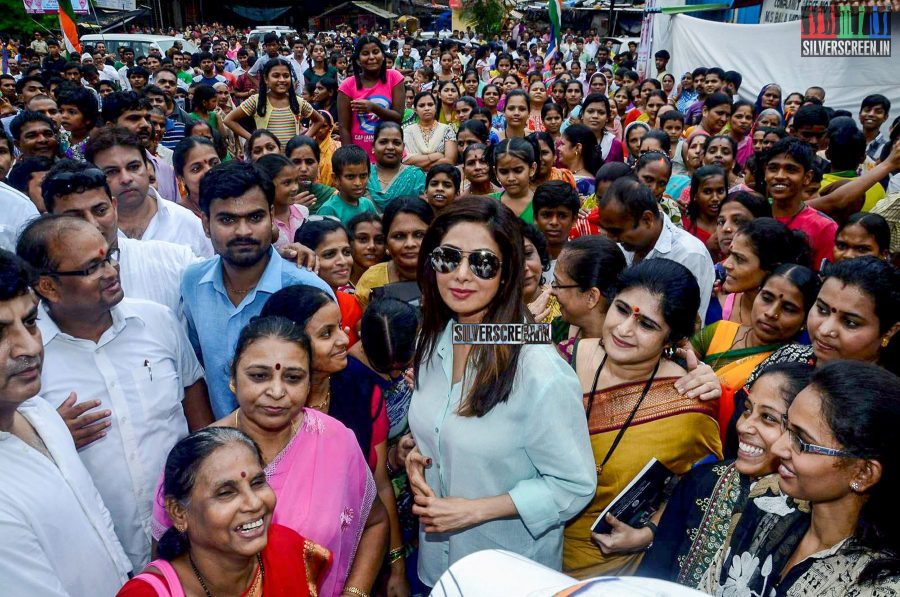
[
  {"x": 138, "y": 370},
  {"x": 56, "y": 536}
]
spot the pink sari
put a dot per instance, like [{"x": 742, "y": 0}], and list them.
[{"x": 325, "y": 491}]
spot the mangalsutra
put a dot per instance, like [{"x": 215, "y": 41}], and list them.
[{"x": 255, "y": 586}]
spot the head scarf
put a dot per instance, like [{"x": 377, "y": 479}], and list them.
[{"x": 757, "y": 108}]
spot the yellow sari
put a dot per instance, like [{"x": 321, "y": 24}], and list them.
[{"x": 676, "y": 430}]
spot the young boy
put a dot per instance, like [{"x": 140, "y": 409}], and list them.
[
  {"x": 138, "y": 77},
  {"x": 350, "y": 165},
  {"x": 556, "y": 206},
  {"x": 788, "y": 172},
  {"x": 442, "y": 186},
  {"x": 672, "y": 124}
]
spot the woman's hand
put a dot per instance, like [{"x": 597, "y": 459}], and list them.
[
  {"x": 397, "y": 585},
  {"x": 701, "y": 381},
  {"x": 305, "y": 198},
  {"x": 362, "y": 106},
  {"x": 540, "y": 307},
  {"x": 410, "y": 374},
  {"x": 444, "y": 515},
  {"x": 415, "y": 471},
  {"x": 404, "y": 447},
  {"x": 622, "y": 538}
]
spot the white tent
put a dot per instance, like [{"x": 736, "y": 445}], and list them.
[{"x": 770, "y": 53}]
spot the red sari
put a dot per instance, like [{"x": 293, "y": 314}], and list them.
[{"x": 295, "y": 567}]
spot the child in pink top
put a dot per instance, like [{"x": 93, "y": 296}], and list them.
[{"x": 374, "y": 93}]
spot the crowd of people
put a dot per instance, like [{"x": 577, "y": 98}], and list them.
[{"x": 228, "y": 281}]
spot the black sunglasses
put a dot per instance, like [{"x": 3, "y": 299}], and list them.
[{"x": 483, "y": 263}]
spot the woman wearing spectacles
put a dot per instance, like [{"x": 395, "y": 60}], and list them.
[
  {"x": 829, "y": 525},
  {"x": 633, "y": 409},
  {"x": 503, "y": 457},
  {"x": 700, "y": 515}
]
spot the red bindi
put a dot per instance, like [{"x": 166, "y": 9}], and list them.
[
  {"x": 277, "y": 366},
  {"x": 243, "y": 474}
]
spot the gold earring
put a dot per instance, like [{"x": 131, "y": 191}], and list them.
[
  {"x": 179, "y": 528},
  {"x": 232, "y": 387},
  {"x": 885, "y": 341}
]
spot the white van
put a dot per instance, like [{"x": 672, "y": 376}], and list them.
[
  {"x": 138, "y": 41},
  {"x": 283, "y": 33}
]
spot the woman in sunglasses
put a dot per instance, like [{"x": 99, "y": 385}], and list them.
[
  {"x": 828, "y": 525},
  {"x": 502, "y": 456}
]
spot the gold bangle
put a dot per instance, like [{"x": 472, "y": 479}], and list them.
[
  {"x": 395, "y": 555},
  {"x": 354, "y": 591}
]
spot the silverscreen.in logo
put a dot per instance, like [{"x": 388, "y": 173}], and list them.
[
  {"x": 842, "y": 29},
  {"x": 501, "y": 333}
]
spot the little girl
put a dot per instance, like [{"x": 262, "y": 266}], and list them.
[
  {"x": 288, "y": 215},
  {"x": 276, "y": 107},
  {"x": 708, "y": 190},
  {"x": 205, "y": 104},
  {"x": 513, "y": 165}
]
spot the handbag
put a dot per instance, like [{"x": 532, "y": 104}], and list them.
[
  {"x": 174, "y": 585},
  {"x": 408, "y": 292}
]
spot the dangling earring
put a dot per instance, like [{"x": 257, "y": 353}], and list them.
[{"x": 885, "y": 341}]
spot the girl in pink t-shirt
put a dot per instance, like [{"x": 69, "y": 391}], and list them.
[{"x": 374, "y": 93}]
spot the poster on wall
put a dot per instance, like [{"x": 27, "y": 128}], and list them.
[
  {"x": 116, "y": 4},
  {"x": 37, "y": 7},
  {"x": 779, "y": 11},
  {"x": 643, "y": 57}
]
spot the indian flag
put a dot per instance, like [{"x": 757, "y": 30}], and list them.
[
  {"x": 67, "y": 24},
  {"x": 554, "y": 14}
]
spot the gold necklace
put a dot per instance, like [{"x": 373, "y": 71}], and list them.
[{"x": 324, "y": 403}]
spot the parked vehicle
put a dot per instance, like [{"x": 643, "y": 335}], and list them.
[{"x": 140, "y": 42}]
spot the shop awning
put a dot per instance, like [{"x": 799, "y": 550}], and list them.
[{"x": 367, "y": 6}]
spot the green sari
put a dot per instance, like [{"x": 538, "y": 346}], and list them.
[{"x": 410, "y": 180}]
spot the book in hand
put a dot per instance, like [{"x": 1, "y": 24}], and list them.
[{"x": 639, "y": 500}]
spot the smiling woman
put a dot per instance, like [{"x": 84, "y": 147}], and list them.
[
  {"x": 633, "y": 410},
  {"x": 515, "y": 405},
  {"x": 223, "y": 538}
]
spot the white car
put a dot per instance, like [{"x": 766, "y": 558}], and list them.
[
  {"x": 138, "y": 41},
  {"x": 282, "y": 31}
]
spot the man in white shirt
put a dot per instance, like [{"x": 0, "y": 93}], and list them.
[
  {"x": 16, "y": 210},
  {"x": 148, "y": 269},
  {"x": 131, "y": 111},
  {"x": 143, "y": 214},
  {"x": 131, "y": 356},
  {"x": 630, "y": 216},
  {"x": 57, "y": 536},
  {"x": 127, "y": 55}
]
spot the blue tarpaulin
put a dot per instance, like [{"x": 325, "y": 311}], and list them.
[{"x": 262, "y": 15}]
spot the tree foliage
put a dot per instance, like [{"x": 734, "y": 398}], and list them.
[
  {"x": 486, "y": 15},
  {"x": 16, "y": 22}
]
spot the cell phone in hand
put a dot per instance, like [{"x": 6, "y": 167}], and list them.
[{"x": 305, "y": 185}]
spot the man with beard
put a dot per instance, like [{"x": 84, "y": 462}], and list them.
[
  {"x": 57, "y": 535},
  {"x": 219, "y": 296},
  {"x": 137, "y": 385},
  {"x": 143, "y": 213},
  {"x": 131, "y": 111}
]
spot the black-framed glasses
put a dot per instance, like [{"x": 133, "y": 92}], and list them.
[
  {"x": 483, "y": 263},
  {"x": 112, "y": 259},
  {"x": 801, "y": 447},
  {"x": 557, "y": 286}
]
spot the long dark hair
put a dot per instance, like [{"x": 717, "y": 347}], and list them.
[
  {"x": 182, "y": 466},
  {"x": 495, "y": 365},
  {"x": 261, "y": 101},
  {"x": 354, "y": 62},
  {"x": 388, "y": 334},
  {"x": 581, "y": 134},
  {"x": 861, "y": 404}
]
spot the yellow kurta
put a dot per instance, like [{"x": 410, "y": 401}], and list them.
[
  {"x": 375, "y": 276},
  {"x": 676, "y": 430}
]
